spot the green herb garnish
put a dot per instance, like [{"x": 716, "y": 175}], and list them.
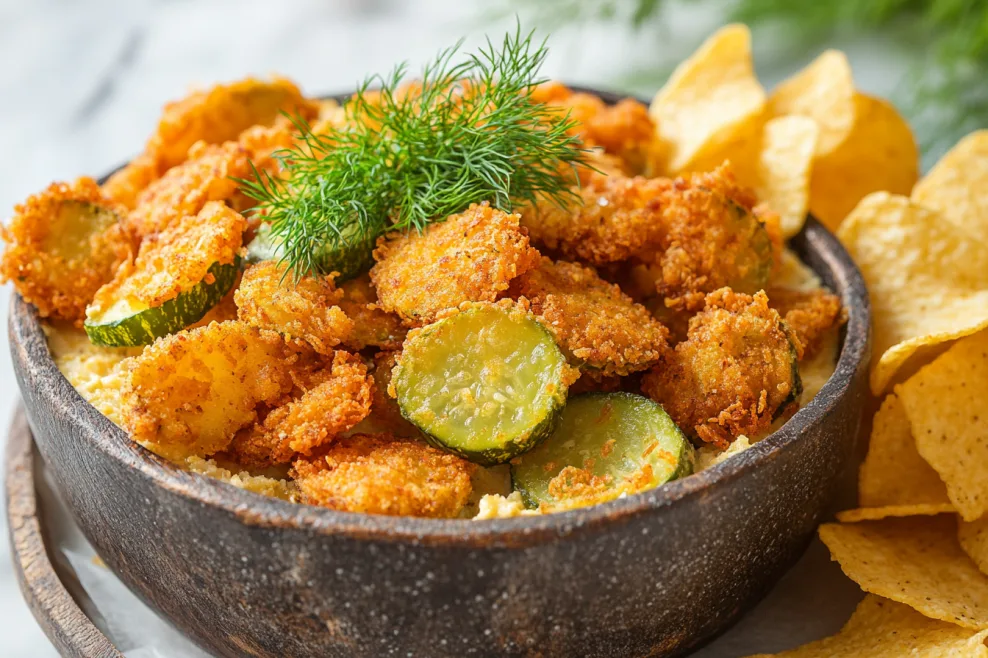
[{"x": 472, "y": 133}]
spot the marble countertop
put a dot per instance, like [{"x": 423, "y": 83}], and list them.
[{"x": 83, "y": 82}]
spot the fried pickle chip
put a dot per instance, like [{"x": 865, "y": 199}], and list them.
[
  {"x": 915, "y": 560},
  {"x": 879, "y": 154},
  {"x": 880, "y": 628},
  {"x": 927, "y": 278},
  {"x": 946, "y": 404},
  {"x": 708, "y": 97},
  {"x": 957, "y": 187},
  {"x": 973, "y": 536},
  {"x": 823, "y": 92},
  {"x": 894, "y": 479}
]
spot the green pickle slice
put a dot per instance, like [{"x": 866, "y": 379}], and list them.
[
  {"x": 609, "y": 444},
  {"x": 487, "y": 383}
]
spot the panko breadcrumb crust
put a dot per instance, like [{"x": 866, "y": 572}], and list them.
[
  {"x": 597, "y": 325},
  {"x": 62, "y": 284},
  {"x": 469, "y": 257},
  {"x": 382, "y": 474},
  {"x": 732, "y": 376},
  {"x": 306, "y": 309}
]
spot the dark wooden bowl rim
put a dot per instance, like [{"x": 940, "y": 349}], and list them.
[{"x": 257, "y": 510}]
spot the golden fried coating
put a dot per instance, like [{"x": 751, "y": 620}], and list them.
[
  {"x": 62, "y": 245},
  {"x": 212, "y": 116},
  {"x": 189, "y": 392},
  {"x": 382, "y": 474},
  {"x": 624, "y": 129},
  {"x": 470, "y": 257},
  {"x": 734, "y": 374},
  {"x": 809, "y": 314},
  {"x": 595, "y": 324},
  {"x": 614, "y": 218},
  {"x": 385, "y": 413},
  {"x": 185, "y": 189},
  {"x": 712, "y": 238},
  {"x": 331, "y": 401},
  {"x": 592, "y": 381},
  {"x": 372, "y": 325},
  {"x": 307, "y": 309},
  {"x": 176, "y": 259}
]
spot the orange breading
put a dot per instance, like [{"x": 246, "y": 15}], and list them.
[
  {"x": 62, "y": 245},
  {"x": 307, "y": 309},
  {"x": 733, "y": 375},
  {"x": 470, "y": 257},
  {"x": 592, "y": 381},
  {"x": 213, "y": 116},
  {"x": 810, "y": 314},
  {"x": 624, "y": 129},
  {"x": 712, "y": 238},
  {"x": 595, "y": 324},
  {"x": 385, "y": 411},
  {"x": 189, "y": 392},
  {"x": 614, "y": 218},
  {"x": 176, "y": 259},
  {"x": 185, "y": 189},
  {"x": 332, "y": 400},
  {"x": 372, "y": 325},
  {"x": 382, "y": 474}
]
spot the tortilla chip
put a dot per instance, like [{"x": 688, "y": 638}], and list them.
[
  {"x": 893, "y": 473},
  {"x": 957, "y": 187},
  {"x": 947, "y": 406},
  {"x": 880, "y": 628},
  {"x": 879, "y": 154},
  {"x": 708, "y": 97},
  {"x": 973, "y": 537},
  {"x": 916, "y": 561},
  {"x": 824, "y": 92},
  {"x": 927, "y": 278},
  {"x": 889, "y": 511}
]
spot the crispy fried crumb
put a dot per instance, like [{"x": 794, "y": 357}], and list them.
[
  {"x": 184, "y": 190},
  {"x": 733, "y": 374},
  {"x": 381, "y": 474},
  {"x": 596, "y": 324},
  {"x": 810, "y": 314},
  {"x": 623, "y": 129},
  {"x": 614, "y": 218},
  {"x": 306, "y": 309},
  {"x": 175, "y": 260},
  {"x": 472, "y": 256},
  {"x": 189, "y": 392},
  {"x": 213, "y": 116},
  {"x": 332, "y": 400},
  {"x": 712, "y": 238},
  {"x": 62, "y": 245},
  {"x": 372, "y": 325}
]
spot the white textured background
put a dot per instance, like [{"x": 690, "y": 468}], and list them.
[{"x": 82, "y": 82}]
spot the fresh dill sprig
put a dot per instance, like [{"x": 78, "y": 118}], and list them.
[{"x": 466, "y": 131}]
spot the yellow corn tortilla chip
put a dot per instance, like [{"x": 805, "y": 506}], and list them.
[
  {"x": 823, "y": 92},
  {"x": 775, "y": 159},
  {"x": 880, "y": 628},
  {"x": 887, "y": 511},
  {"x": 957, "y": 187},
  {"x": 879, "y": 154},
  {"x": 893, "y": 474},
  {"x": 916, "y": 561},
  {"x": 927, "y": 278},
  {"x": 708, "y": 97},
  {"x": 947, "y": 406},
  {"x": 973, "y": 536}
]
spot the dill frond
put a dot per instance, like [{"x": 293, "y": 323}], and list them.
[{"x": 468, "y": 130}]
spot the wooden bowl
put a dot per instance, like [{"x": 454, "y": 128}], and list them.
[{"x": 654, "y": 574}]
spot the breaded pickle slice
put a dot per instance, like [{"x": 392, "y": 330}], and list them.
[
  {"x": 605, "y": 445},
  {"x": 486, "y": 383}
]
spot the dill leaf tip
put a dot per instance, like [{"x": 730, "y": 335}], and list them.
[{"x": 410, "y": 154}]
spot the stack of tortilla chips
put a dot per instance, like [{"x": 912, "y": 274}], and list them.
[{"x": 918, "y": 543}]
